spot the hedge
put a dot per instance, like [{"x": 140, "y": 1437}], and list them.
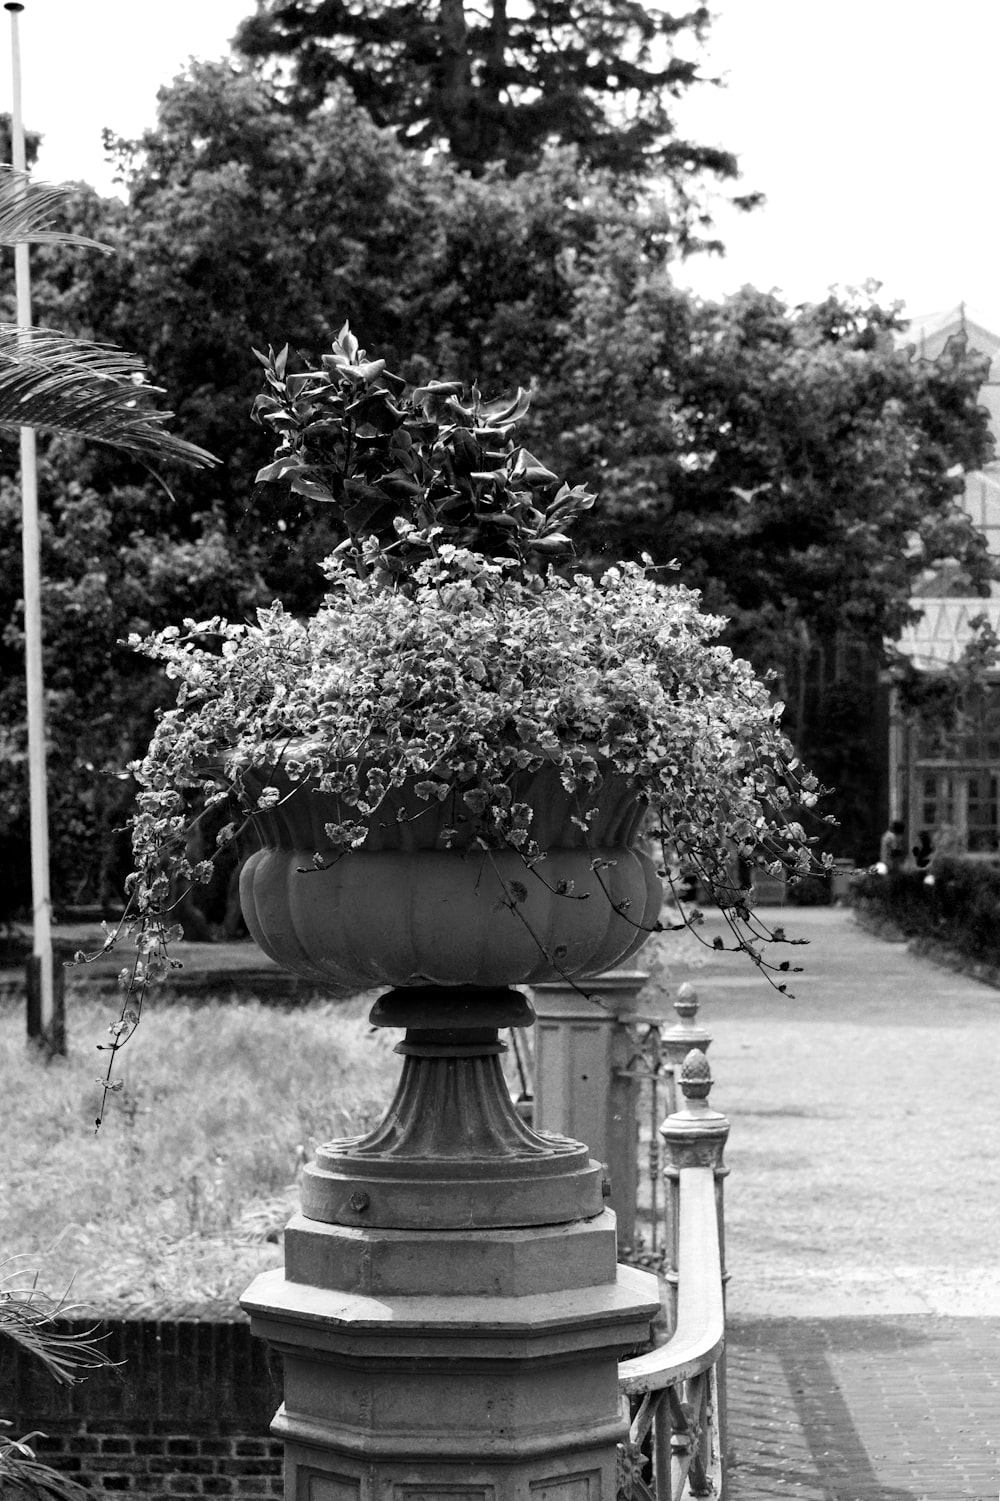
[{"x": 956, "y": 904}]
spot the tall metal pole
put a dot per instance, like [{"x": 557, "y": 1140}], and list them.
[{"x": 41, "y": 904}]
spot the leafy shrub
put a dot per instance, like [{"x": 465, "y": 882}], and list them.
[
  {"x": 812, "y": 891},
  {"x": 957, "y": 903}
]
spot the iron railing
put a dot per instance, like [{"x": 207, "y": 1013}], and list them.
[
  {"x": 658, "y": 1053},
  {"x": 675, "y": 1393}
]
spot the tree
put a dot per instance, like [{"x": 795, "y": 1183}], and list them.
[
  {"x": 32, "y": 141},
  {"x": 499, "y": 84},
  {"x": 245, "y": 228},
  {"x": 803, "y": 471},
  {"x": 818, "y": 474}
]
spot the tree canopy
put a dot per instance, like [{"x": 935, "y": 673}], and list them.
[
  {"x": 498, "y": 84},
  {"x": 801, "y": 470}
]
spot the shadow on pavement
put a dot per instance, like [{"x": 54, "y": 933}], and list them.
[{"x": 894, "y": 1409}]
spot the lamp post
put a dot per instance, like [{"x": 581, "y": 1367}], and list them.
[{"x": 42, "y": 1021}]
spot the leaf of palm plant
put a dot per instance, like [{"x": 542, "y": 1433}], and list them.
[
  {"x": 28, "y": 1319},
  {"x": 52, "y": 381},
  {"x": 26, "y": 210},
  {"x": 24, "y": 1477}
]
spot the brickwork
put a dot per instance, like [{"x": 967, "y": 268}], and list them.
[
  {"x": 185, "y": 1413},
  {"x": 879, "y": 1409}
]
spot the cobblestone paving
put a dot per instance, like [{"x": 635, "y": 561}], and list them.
[{"x": 892, "y": 1409}]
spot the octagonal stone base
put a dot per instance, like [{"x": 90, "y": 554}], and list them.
[
  {"x": 466, "y": 1350},
  {"x": 494, "y": 1378}
]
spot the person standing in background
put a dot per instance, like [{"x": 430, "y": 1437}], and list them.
[{"x": 892, "y": 846}]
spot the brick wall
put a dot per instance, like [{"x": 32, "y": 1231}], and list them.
[{"x": 186, "y": 1413}]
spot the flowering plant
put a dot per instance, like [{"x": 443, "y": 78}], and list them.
[{"x": 447, "y": 656}]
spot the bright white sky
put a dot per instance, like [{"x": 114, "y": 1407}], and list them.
[{"x": 869, "y": 124}]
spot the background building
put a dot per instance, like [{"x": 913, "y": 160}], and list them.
[{"x": 947, "y": 780}]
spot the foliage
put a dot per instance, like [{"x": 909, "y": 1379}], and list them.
[
  {"x": 442, "y": 670},
  {"x": 413, "y": 470},
  {"x": 799, "y": 445},
  {"x": 459, "y": 681},
  {"x": 803, "y": 470},
  {"x": 785, "y": 456},
  {"x": 54, "y": 381},
  {"x": 28, "y": 1319},
  {"x": 498, "y": 86},
  {"x": 956, "y": 902},
  {"x": 108, "y": 570}
]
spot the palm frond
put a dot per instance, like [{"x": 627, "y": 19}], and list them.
[
  {"x": 26, "y": 212},
  {"x": 57, "y": 383},
  {"x": 28, "y": 1319},
  {"x": 24, "y": 1477}
]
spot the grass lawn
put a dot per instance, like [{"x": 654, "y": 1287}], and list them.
[{"x": 180, "y": 1198}]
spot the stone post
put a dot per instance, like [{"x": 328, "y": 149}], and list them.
[
  {"x": 582, "y": 1048},
  {"x": 450, "y": 1312},
  {"x": 693, "y": 1136}
]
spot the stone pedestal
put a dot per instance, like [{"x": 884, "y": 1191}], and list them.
[
  {"x": 450, "y": 1312},
  {"x": 581, "y": 1051}
]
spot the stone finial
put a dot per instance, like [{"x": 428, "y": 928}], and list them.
[
  {"x": 694, "y": 1135},
  {"x": 686, "y": 1004},
  {"x": 695, "y": 1076}
]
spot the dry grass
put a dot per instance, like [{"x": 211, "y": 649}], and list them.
[{"x": 180, "y": 1197}]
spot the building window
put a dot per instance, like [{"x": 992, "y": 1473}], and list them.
[{"x": 982, "y": 827}]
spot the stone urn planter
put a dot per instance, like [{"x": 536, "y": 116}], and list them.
[
  {"x": 404, "y": 909},
  {"x": 442, "y": 927}
]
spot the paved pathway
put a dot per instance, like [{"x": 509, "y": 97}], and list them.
[
  {"x": 880, "y": 1409},
  {"x": 863, "y": 1221}
]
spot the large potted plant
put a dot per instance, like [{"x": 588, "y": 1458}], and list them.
[
  {"x": 455, "y": 769},
  {"x": 455, "y": 766}
]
